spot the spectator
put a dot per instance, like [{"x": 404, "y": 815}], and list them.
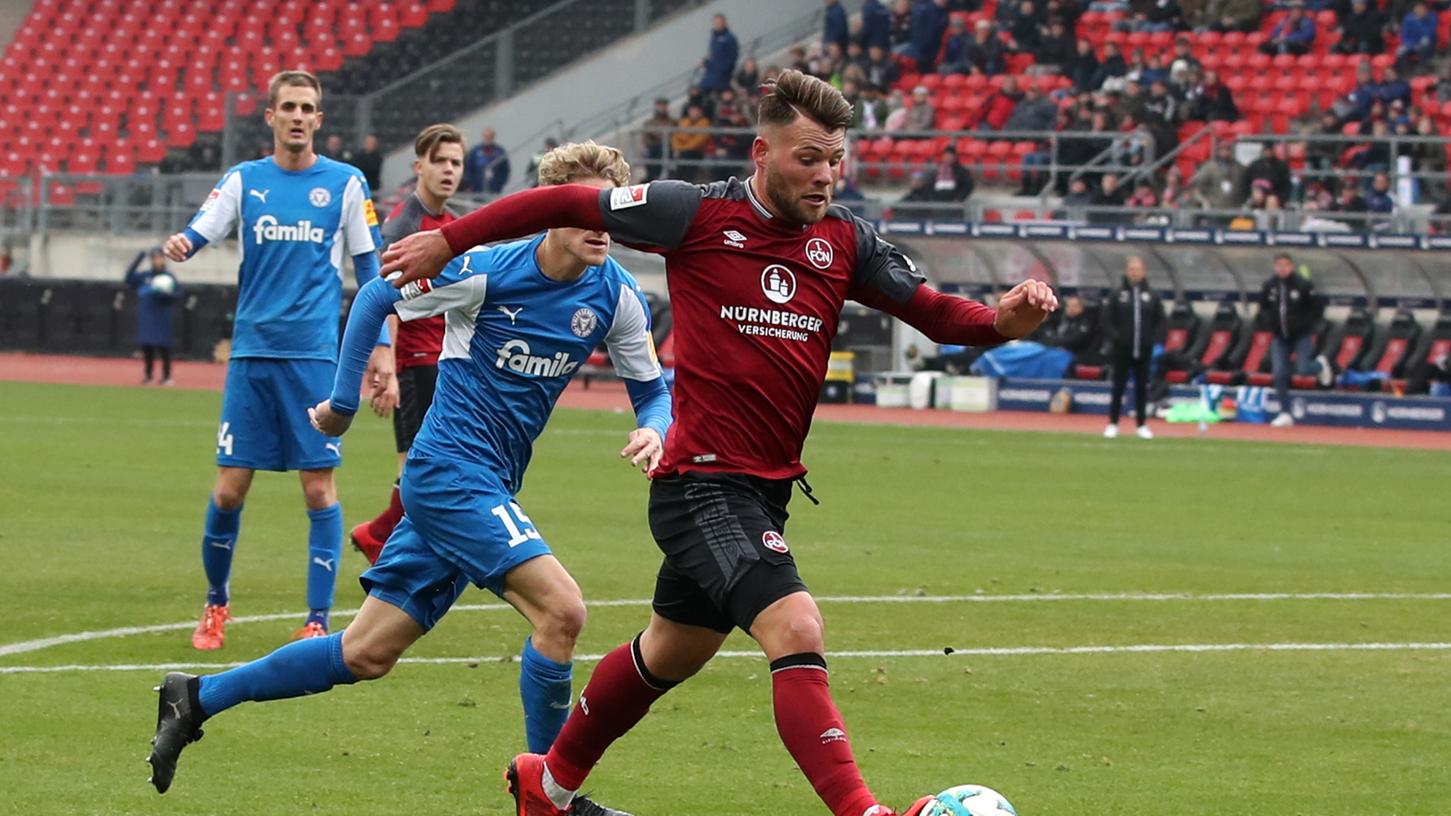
[
  {"x": 1023, "y": 30},
  {"x": 1429, "y": 157},
  {"x": 986, "y": 54},
  {"x": 881, "y": 68},
  {"x": 486, "y": 167},
  {"x": 954, "y": 51},
  {"x": 719, "y": 63},
  {"x": 1184, "y": 52},
  {"x": 1108, "y": 194},
  {"x": 748, "y": 78},
  {"x": 732, "y": 148},
  {"x": 953, "y": 182},
  {"x": 1175, "y": 195},
  {"x": 834, "y": 29},
  {"x": 1112, "y": 67},
  {"x": 1321, "y": 156},
  {"x": 1292, "y": 35},
  {"x": 1161, "y": 116},
  {"x": 920, "y": 196},
  {"x": 1143, "y": 196},
  {"x": 532, "y": 171},
  {"x": 1152, "y": 15},
  {"x": 1211, "y": 101},
  {"x": 1272, "y": 169},
  {"x": 1350, "y": 201},
  {"x": 856, "y": 58},
  {"x": 1380, "y": 199},
  {"x": 1355, "y": 106},
  {"x": 1078, "y": 194},
  {"x": 333, "y": 147},
  {"x": 876, "y": 26},
  {"x": 156, "y": 293},
  {"x": 921, "y": 116},
  {"x": 1133, "y": 321},
  {"x": 1362, "y": 30},
  {"x": 653, "y": 138},
  {"x": 1377, "y": 153},
  {"x": 1418, "y": 36},
  {"x": 871, "y": 113},
  {"x": 1392, "y": 88},
  {"x": 1034, "y": 112},
  {"x": 1083, "y": 67},
  {"x": 997, "y": 109},
  {"x": 929, "y": 23},
  {"x": 370, "y": 161},
  {"x": 1235, "y": 15},
  {"x": 901, "y": 27},
  {"x": 1194, "y": 14},
  {"x": 896, "y": 111},
  {"x": 1056, "y": 48},
  {"x": 1443, "y": 86},
  {"x": 1218, "y": 182},
  {"x": 1291, "y": 308},
  {"x": 849, "y": 196},
  {"x": 696, "y": 96},
  {"x": 1076, "y": 330},
  {"x": 690, "y": 147}
]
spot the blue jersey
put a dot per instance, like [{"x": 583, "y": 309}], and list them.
[
  {"x": 292, "y": 229},
  {"x": 512, "y": 341}
]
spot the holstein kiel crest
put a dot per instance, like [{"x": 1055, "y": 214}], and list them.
[{"x": 584, "y": 322}]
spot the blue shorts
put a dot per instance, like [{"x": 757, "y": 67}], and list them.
[
  {"x": 461, "y": 526},
  {"x": 264, "y": 424}
]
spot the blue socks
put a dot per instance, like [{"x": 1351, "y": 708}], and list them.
[
  {"x": 544, "y": 687},
  {"x": 219, "y": 541},
  {"x": 306, "y": 666},
  {"x": 324, "y": 547}
]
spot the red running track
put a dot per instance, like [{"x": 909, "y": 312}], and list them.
[{"x": 45, "y": 368}]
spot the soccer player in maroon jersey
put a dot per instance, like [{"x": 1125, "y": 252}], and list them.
[
  {"x": 758, "y": 272},
  {"x": 417, "y": 343}
]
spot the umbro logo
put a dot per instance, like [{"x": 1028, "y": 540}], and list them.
[
  {"x": 325, "y": 564},
  {"x": 260, "y": 195},
  {"x": 734, "y": 239},
  {"x": 584, "y": 705},
  {"x": 833, "y": 735},
  {"x": 512, "y": 313}
]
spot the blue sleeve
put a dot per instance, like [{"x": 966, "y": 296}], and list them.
[
  {"x": 372, "y": 305},
  {"x": 133, "y": 275},
  {"x": 651, "y": 400},
  {"x": 365, "y": 269},
  {"x": 197, "y": 241}
]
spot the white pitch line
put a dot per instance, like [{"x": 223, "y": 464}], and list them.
[
  {"x": 986, "y": 651},
  {"x": 26, "y": 646}
]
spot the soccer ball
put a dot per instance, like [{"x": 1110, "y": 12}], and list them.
[
  {"x": 969, "y": 800},
  {"x": 163, "y": 283}
]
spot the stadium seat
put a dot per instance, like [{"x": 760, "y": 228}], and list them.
[
  {"x": 1434, "y": 347},
  {"x": 1224, "y": 333},
  {"x": 1393, "y": 348},
  {"x": 1348, "y": 343}
]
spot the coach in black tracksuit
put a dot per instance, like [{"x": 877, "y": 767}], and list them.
[
  {"x": 1290, "y": 307},
  {"x": 1133, "y": 320}
]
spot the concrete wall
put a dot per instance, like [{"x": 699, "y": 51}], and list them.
[
  {"x": 609, "y": 79},
  {"x": 12, "y": 14}
]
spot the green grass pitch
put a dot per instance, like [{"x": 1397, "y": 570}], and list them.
[{"x": 102, "y": 493}]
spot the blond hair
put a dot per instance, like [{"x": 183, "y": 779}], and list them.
[
  {"x": 434, "y": 135},
  {"x": 294, "y": 79},
  {"x": 794, "y": 94},
  {"x": 582, "y": 160}
]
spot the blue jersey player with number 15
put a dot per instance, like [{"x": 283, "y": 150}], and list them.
[
  {"x": 520, "y": 318},
  {"x": 295, "y": 214}
]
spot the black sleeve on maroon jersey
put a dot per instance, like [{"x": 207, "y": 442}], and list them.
[
  {"x": 881, "y": 267},
  {"x": 403, "y": 222},
  {"x": 660, "y": 220}
]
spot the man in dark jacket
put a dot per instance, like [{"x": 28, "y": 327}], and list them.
[
  {"x": 1361, "y": 30},
  {"x": 929, "y": 23},
  {"x": 156, "y": 293},
  {"x": 486, "y": 167},
  {"x": 720, "y": 57},
  {"x": 1076, "y": 332},
  {"x": 1290, "y": 307},
  {"x": 1133, "y": 321},
  {"x": 876, "y": 25},
  {"x": 833, "y": 28}
]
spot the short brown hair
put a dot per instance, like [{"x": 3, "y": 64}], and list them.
[
  {"x": 795, "y": 94},
  {"x": 582, "y": 160},
  {"x": 293, "y": 79},
  {"x": 434, "y": 135}
]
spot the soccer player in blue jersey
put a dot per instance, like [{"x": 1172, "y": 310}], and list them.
[
  {"x": 296, "y": 213},
  {"x": 520, "y": 319}
]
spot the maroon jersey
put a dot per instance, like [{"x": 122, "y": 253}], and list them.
[
  {"x": 755, "y": 304},
  {"x": 419, "y": 341}
]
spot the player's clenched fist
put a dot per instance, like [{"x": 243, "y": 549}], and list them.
[
  {"x": 644, "y": 449},
  {"x": 420, "y": 255},
  {"x": 327, "y": 422},
  {"x": 1024, "y": 308},
  {"x": 177, "y": 247}
]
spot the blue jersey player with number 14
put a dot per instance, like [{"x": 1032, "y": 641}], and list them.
[
  {"x": 520, "y": 318},
  {"x": 295, "y": 213}
]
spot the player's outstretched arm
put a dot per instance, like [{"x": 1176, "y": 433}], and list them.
[
  {"x": 370, "y": 308},
  {"x": 1024, "y": 308},
  {"x": 424, "y": 254},
  {"x": 651, "y": 400}
]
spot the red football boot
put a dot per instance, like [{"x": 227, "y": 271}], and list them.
[
  {"x": 525, "y": 778},
  {"x": 365, "y": 543}
]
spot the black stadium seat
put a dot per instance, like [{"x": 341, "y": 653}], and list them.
[
  {"x": 1393, "y": 347},
  {"x": 1225, "y": 330},
  {"x": 1349, "y": 343},
  {"x": 1435, "y": 346}
]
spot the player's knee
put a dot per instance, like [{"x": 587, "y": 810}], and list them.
[
  {"x": 228, "y": 496},
  {"x": 369, "y": 662},
  {"x": 563, "y": 621},
  {"x": 804, "y": 632},
  {"x": 319, "y": 495}
]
